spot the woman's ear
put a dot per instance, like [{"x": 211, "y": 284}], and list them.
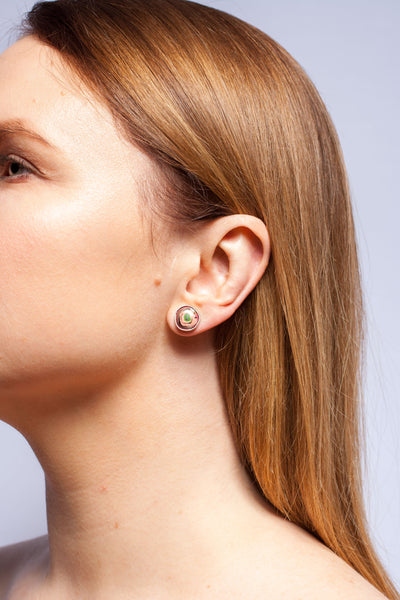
[{"x": 233, "y": 253}]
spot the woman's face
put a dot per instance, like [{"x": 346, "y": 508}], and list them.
[{"x": 80, "y": 288}]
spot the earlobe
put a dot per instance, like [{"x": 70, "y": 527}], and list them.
[{"x": 234, "y": 253}]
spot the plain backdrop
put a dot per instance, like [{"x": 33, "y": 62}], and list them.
[{"x": 351, "y": 50}]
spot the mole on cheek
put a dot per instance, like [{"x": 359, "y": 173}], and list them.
[{"x": 157, "y": 281}]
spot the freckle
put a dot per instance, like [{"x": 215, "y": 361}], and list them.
[
  {"x": 116, "y": 525},
  {"x": 62, "y": 93},
  {"x": 157, "y": 281},
  {"x": 103, "y": 489}
]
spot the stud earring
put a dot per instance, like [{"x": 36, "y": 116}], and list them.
[{"x": 187, "y": 318}]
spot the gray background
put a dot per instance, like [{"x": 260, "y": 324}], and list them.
[{"x": 351, "y": 50}]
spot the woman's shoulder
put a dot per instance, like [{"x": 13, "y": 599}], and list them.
[
  {"x": 332, "y": 578},
  {"x": 309, "y": 569},
  {"x": 17, "y": 557},
  {"x": 300, "y": 567}
]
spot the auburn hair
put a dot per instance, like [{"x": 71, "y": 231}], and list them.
[{"x": 236, "y": 126}]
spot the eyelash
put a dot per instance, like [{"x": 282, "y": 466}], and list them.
[{"x": 9, "y": 160}]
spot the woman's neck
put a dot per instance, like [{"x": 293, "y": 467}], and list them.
[{"x": 144, "y": 487}]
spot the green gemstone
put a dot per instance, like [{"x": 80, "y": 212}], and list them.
[{"x": 187, "y": 317}]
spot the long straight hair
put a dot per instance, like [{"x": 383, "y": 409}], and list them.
[{"x": 236, "y": 126}]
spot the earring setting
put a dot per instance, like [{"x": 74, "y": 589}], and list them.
[{"x": 187, "y": 318}]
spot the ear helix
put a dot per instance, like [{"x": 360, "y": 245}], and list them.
[{"x": 187, "y": 318}]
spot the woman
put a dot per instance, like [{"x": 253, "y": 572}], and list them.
[{"x": 182, "y": 314}]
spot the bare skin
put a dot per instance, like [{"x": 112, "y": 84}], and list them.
[{"x": 146, "y": 495}]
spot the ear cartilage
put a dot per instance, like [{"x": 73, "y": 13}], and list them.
[{"x": 187, "y": 318}]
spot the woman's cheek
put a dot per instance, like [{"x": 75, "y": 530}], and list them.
[{"x": 76, "y": 285}]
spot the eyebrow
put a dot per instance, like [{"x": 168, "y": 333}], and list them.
[{"x": 17, "y": 126}]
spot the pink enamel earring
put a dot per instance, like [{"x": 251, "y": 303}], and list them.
[{"x": 187, "y": 318}]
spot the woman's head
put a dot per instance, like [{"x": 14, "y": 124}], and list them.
[
  {"x": 234, "y": 126},
  {"x": 215, "y": 121}
]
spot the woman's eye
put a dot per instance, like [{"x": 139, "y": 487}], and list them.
[{"x": 14, "y": 168}]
